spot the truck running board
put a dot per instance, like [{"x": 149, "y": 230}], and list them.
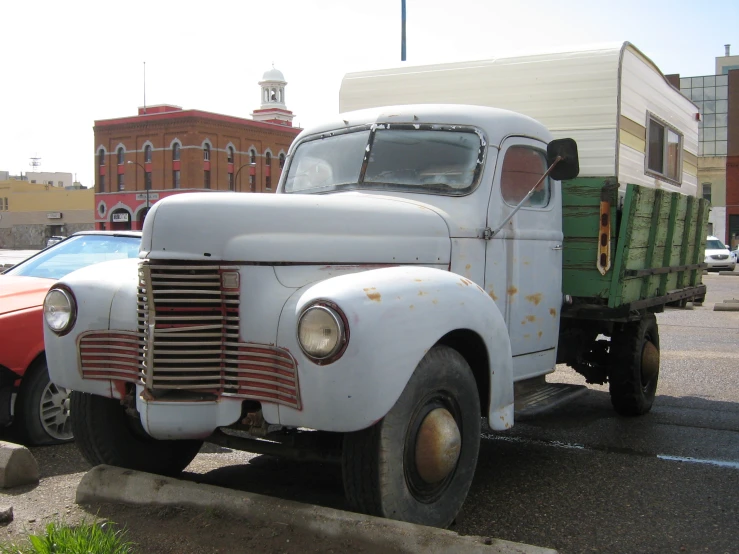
[{"x": 535, "y": 396}]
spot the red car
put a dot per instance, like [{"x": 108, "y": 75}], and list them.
[{"x": 38, "y": 409}]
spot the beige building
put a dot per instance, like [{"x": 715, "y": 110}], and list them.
[{"x": 31, "y": 213}]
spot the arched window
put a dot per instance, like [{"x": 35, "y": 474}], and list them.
[
  {"x": 121, "y": 155},
  {"x": 206, "y": 152},
  {"x": 147, "y": 154},
  {"x": 230, "y": 154},
  {"x": 252, "y": 156},
  {"x": 176, "y": 151},
  {"x": 101, "y": 157},
  {"x": 121, "y": 167},
  {"x": 282, "y": 160},
  {"x": 101, "y": 170},
  {"x": 268, "y": 170}
]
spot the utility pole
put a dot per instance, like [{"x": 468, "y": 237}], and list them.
[{"x": 402, "y": 32}]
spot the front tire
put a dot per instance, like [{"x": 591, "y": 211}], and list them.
[
  {"x": 634, "y": 368},
  {"x": 42, "y": 409},
  {"x": 106, "y": 434},
  {"x": 417, "y": 463}
]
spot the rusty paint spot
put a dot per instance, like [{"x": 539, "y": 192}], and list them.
[
  {"x": 434, "y": 301},
  {"x": 534, "y": 298},
  {"x": 468, "y": 267},
  {"x": 492, "y": 294},
  {"x": 374, "y": 296},
  {"x": 552, "y": 312},
  {"x": 523, "y": 322},
  {"x": 418, "y": 280},
  {"x": 422, "y": 293},
  {"x": 466, "y": 282},
  {"x": 531, "y": 318},
  {"x": 513, "y": 290},
  {"x": 369, "y": 289},
  {"x": 527, "y": 336},
  {"x": 540, "y": 334},
  {"x": 527, "y": 263},
  {"x": 411, "y": 306}
]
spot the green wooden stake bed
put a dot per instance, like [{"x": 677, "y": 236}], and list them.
[{"x": 624, "y": 260}]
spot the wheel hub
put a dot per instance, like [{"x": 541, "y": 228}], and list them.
[
  {"x": 55, "y": 412},
  {"x": 649, "y": 363},
  {"x": 438, "y": 445}
]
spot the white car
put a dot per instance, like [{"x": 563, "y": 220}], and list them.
[{"x": 718, "y": 256}]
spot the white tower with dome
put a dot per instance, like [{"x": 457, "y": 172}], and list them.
[{"x": 273, "y": 108}]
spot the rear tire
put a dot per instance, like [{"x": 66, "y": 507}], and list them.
[
  {"x": 42, "y": 409},
  {"x": 634, "y": 370},
  {"x": 106, "y": 434},
  {"x": 417, "y": 463}
]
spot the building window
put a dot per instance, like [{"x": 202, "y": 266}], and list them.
[
  {"x": 176, "y": 178},
  {"x": 230, "y": 181},
  {"x": 147, "y": 154},
  {"x": 206, "y": 152},
  {"x": 101, "y": 181},
  {"x": 147, "y": 180},
  {"x": 121, "y": 155},
  {"x": 176, "y": 151},
  {"x": 101, "y": 157},
  {"x": 252, "y": 181},
  {"x": 522, "y": 168},
  {"x": 206, "y": 179},
  {"x": 230, "y": 154},
  {"x": 268, "y": 170},
  {"x": 707, "y": 191},
  {"x": 252, "y": 156},
  {"x": 664, "y": 145},
  {"x": 121, "y": 184},
  {"x": 282, "y": 161}
]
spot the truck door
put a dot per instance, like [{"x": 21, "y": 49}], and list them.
[{"x": 523, "y": 267}]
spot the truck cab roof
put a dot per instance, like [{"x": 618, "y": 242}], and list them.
[{"x": 495, "y": 123}]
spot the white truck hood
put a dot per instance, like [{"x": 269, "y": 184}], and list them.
[{"x": 348, "y": 228}]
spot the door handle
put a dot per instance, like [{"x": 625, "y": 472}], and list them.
[{"x": 558, "y": 247}]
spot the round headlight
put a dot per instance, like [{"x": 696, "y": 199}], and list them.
[
  {"x": 59, "y": 310},
  {"x": 321, "y": 332}
]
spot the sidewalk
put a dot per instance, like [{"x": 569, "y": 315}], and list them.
[{"x": 9, "y": 258}]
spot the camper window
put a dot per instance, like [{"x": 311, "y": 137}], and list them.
[{"x": 664, "y": 145}]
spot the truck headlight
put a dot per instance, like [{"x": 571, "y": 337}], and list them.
[
  {"x": 60, "y": 310},
  {"x": 322, "y": 333}
]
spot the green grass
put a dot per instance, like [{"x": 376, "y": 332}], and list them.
[{"x": 85, "y": 538}]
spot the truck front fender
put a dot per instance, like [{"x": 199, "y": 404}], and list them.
[{"x": 395, "y": 315}]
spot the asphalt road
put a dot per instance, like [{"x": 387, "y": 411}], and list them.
[{"x": 580, "y": 478}]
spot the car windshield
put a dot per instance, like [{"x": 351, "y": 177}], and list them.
[
  {"x": 75, "y": 253},
  {"x": 429, "y": 159},
  {"x": 715, "y": 244}
]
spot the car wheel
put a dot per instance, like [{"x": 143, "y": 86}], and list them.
[
  {"x": 106, "y": 434},
  {"x": 634, "y": 370},
  {"x": 42, "y": 410},
  {"x": 417, "y": 463}
]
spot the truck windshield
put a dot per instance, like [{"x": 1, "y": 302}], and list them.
[{"x": 411, "y": 158}]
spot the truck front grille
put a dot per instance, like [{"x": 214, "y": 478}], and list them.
[{"x": 188, "y": 339}]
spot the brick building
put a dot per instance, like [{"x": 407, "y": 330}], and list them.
[{"x": 165, "y": 150}]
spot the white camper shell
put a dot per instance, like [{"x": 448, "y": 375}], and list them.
[{"x": 628, "y": 120}]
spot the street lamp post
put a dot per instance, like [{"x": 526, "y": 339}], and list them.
[
  {"x": 250, "y": 164},
  {"x": 146, "y": 185}
]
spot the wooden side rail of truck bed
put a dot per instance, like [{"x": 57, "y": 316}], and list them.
[{"x": 640, "y": 255}]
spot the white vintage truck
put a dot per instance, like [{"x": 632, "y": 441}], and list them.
[{"x": 411, "y": 278}]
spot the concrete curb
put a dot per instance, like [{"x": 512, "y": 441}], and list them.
[
  {"x": 17, "y": 466},
  {"x": 104, "y": 484},
  {"x": 728, "y": 307},
  {"x": 729, "y": 273}
]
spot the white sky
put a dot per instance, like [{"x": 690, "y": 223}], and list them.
[{"x": 67, "y": 63}]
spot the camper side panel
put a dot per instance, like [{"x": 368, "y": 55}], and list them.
[
  {"x": 645, "y": 92},
  {"x": 573, "y": 94}
]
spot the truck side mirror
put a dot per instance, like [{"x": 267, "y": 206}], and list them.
[{"x": 568, "y": 166}]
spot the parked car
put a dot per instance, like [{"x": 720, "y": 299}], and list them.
[
  {"x": 38, "y": 409},
  {"x": 718, "y": 256},
  {"x": 54, "y": 240}
]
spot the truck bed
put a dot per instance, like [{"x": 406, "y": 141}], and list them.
[{"x": 654, "y": 252}]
